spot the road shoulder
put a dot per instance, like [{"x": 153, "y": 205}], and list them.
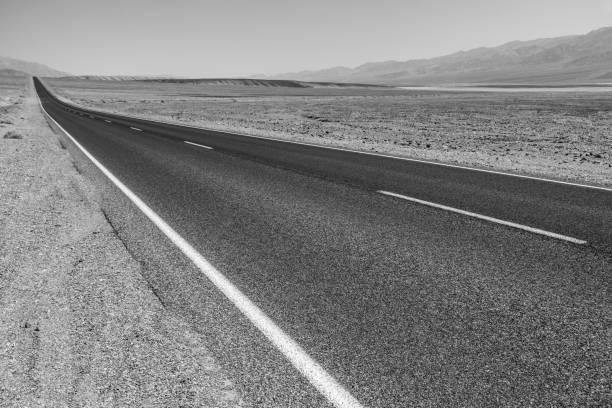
[{"x": 79, "y": 325}]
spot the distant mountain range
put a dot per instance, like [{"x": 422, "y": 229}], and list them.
[
  {"x": 562, "y": 60},
  {"x": 14, "y": 67},
  {"x": 120, "y": 77},
  {"x": 286, "y": 83},
  {"x": 576, "y": 59}
]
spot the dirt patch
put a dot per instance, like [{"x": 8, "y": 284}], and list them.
[
  {"x": 79, "y": 325},
  {"x": 12, "y": 135}
]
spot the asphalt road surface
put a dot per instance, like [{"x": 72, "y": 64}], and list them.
[{"x": 404, "y": 304}]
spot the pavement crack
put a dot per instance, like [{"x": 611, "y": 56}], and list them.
[
  {"x": 142, "y": 265},
  {"x": 115, "y": 231}
]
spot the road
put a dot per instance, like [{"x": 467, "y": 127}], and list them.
[{"x": 402, "y": 303}]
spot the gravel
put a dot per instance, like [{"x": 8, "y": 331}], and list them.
[{"x": 79, "y": 325}]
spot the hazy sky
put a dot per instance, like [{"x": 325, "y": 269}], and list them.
[{"x": 241, "y": 37}]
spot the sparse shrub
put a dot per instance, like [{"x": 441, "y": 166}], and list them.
[{"x": 12, "y": 135}]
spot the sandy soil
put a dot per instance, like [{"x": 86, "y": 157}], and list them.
[
  {"x": 78, "y": 324},
  {"x": 561, "y": 135}
]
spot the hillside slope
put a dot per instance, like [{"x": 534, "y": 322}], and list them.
[
  {"x": 223, "y": 82},
  {"x": 30, "y": 68},
  {"x": 562, "y": 60}
]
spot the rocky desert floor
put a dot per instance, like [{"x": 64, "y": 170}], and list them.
[
  {"x": 563, "y": 135},
  {"x": 79, "y": 325}
]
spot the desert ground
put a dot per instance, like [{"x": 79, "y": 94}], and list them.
[
  {"x": 563, "y": 135},
  {"x": 79, "y": 325}
]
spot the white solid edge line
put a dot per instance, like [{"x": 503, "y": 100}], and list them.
[
  {"x": 306, "y": 365},
  {"x": 135, "y": 128},
  {"x": 486, "y": 218},
  {"x": 389, "y": 156},
  {"x": 199, "y": 145}
]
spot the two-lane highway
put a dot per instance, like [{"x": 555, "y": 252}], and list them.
[{"x": 403, "y": 304}]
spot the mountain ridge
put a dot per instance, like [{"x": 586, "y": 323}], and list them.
[
  {"x": 29, "y": 68},
  {"x": 583, "y": 58}
]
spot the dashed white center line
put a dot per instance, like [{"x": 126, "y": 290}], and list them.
[
  {"x": 136, "y": 129},
  {"x": 486, "y": 218},
  {"x": 199, "y": 145}
]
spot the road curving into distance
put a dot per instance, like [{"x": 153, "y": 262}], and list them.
[{"x": 409, "y": 283}]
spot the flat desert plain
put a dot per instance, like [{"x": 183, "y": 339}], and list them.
[{"x": 563, "y": 135}]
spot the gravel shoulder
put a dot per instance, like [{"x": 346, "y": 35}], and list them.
[{"x": 79, "y": 326}]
